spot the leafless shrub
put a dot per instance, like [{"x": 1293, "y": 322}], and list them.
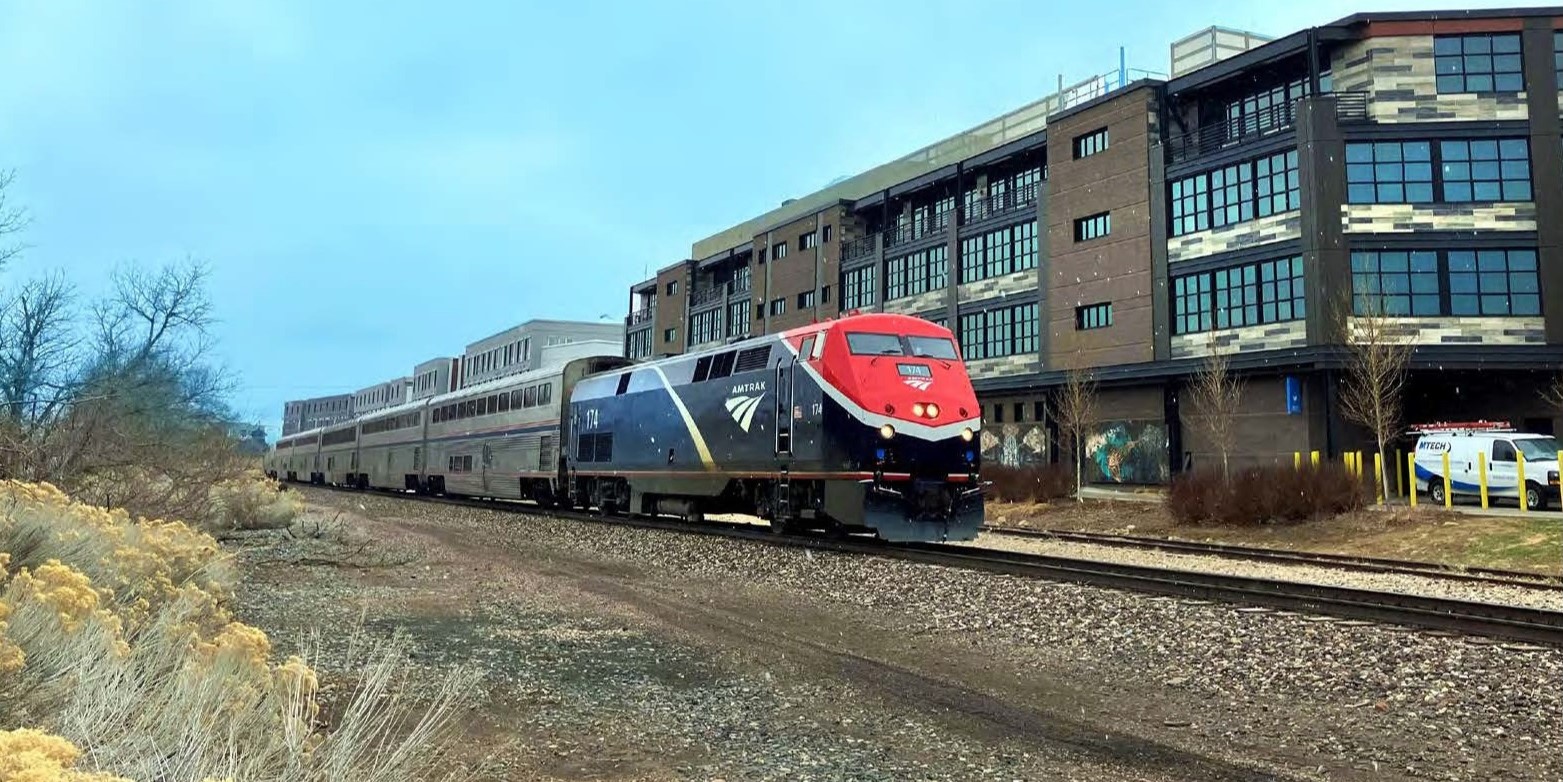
[
  {"x": 1074, "y": 406},
  {"x": 1377, "y": 365},
  {"x": 1217, "y": 393}
]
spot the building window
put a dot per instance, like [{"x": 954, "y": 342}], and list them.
[
  {"x": 669, "y": 334},
  {"x": 806, "y": 300},
  {"x": 919, "y": 272},
  {"x": 1485, "y": 170},
  {"x": 1396, "y": 283},
  {"x": 1090, "y": 143},
  {"x": 1483, "y": 62},
  {"x": 1235, "y": 193},
  {"x": 1092, "y": 316},
  {"x": 1452, "y": 171},
  {"x": 1093, "y": 227},
  {"x": 705, "y": 327},
  {"x": 778, "y": 251},
  {"x": 808, "y": 241},
  {"x": 1493, "y": 282},
  {"x": 824, "y": 234},
  {"x": 1557, "y": 57},
  {"x": 778, "y": 306},
  {"x": 857, "y": 288},
  {"x": 672, "y": 287},
  {"x": 824, "y": 294},
  {"x": 1000, "y": 252},
  {"x": 640, "y": 344},
  {"x": 1265, "y": 111},
  {"x": 1005, "y": 331},
  {"x": 1246, "y": 295},
  {"x": 738, "y": 322}
]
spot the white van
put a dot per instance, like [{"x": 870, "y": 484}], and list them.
[{"x": 1496, "y": 446}]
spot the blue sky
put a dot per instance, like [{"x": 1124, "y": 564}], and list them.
[{"x": 376, "y": 183}]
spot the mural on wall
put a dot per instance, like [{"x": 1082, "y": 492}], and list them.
[
  {"x": 1014, "y": 445},
  {"x": 1127, "y": 452}
]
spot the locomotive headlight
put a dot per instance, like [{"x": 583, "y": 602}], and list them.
[
  {"x": 933, "y": 410},
  {"x": 887, "y": 431},
  {"x": 917, "y": 409},
  {"x": 967, "y": 434}
]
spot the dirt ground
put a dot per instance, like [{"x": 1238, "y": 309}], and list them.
[
  {"x": 613, "y": 668},
  {"x": 1424, "y": 534}
]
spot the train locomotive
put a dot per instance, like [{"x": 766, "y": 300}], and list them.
[{"x": 867, "y": 423}]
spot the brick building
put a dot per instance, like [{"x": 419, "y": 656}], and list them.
[{"x": 1257, "y": 199}]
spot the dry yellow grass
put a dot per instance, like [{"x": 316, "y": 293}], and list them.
[{"x": 115, "y": 638}]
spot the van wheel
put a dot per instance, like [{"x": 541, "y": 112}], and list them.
[
  {"x": 1534, "y": 498},
  {"x": 1435, "y": 492}
]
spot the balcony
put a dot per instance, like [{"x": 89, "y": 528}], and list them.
[
  {"x": 857, "y": 248},
  {"x": 995, "y": 205},
  {"x": 1226, "y": 134},
  {"x": 911, "y": 232},
  {"x": 642, "y": 315},
  {"x": 700, "y": 297},
  {"x": 739, "y": 286}
]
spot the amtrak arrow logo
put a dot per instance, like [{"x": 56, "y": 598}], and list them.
[
  {"x": 742, "y": 409},
  {"x": 918, "y": 383}
]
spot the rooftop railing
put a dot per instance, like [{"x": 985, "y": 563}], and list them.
[{"x": 1221, "y": 135}]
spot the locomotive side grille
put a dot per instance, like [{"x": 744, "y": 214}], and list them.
[{"x": 751, "y": 359}]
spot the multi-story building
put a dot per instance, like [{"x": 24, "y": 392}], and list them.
[
  {"x": 301, "y": 415},
  {"x": 433, "y": 377},
  {"x": 1262, "y": 200},
  {"x": 381, "y": 395},
  {"x": 521, "y": 348}
]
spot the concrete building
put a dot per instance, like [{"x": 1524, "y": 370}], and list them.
[
  {"x": 1261, "y": 201},
  {"x": 304, "y": 414},
  {"x": 382, "y": 395},
  {"x": 521, "y": 348}
]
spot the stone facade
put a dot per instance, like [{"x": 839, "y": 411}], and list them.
[
  {"x": 1397, "y": 74},
  {"x": 993, "y": 287},
  {"x": 1250, "y": 233},
  {"x": 1005, "y": 366},
  {"x": 1406, "y": 218},
  {"x": 1270, "y": 336},
  {"x": 1466, "y": 331},
  {"x": 922, "y": 302}
]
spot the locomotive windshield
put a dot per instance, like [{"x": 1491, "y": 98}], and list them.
[
  {"x": 932, "y": 347},
  {"x": 863, "y": 344}
]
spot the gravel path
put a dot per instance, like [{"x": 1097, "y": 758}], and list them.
[
  {"x": 1300, "y": 696},
  {"x": 1431, "y": 586}
]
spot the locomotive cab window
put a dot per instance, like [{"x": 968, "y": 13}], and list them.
[
  {"x": 932, "y": 347},
  {"x": 807, "y": 349},
  {"x": 865, "y": 344}
]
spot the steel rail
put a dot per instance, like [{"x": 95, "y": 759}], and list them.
[{"x": 1445, "y": 615}]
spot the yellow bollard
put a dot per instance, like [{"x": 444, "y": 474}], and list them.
[
  {"x": 1519, "y": 469},
  {"x": 1481, "y": 475},
  {"x": 1297, "y": 460},
  {"x": 1448, "y": 494},
  {"x": 1315, "y": 457},
  {"x": 1356, "y": 463},
  {"x": 1411, "y": 476},
  {"x": 1378, "y": 476},
  {"x": 1400, "y": 485}
]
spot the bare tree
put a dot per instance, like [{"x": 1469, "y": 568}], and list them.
[
  {"x": 38, "y": 345},
  {"x": 1074, "y": 407},
  {"x": 1553, "y": 394},
  {"x": 13, "y": 220},
  {"x": 1377, "y": 364},
  {"x": 1216, "y": 393}
]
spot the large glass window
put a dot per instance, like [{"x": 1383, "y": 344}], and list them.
[
  {"x": 857, "y": 288},
  {"x": 1005, "y": 331},
  {"x": 1396, "y": 283},
  {"x": 1235, "y": 193},
  {"x": 996, "y": 253},
  {"x": 1493, "y": 282},
  {"x": 1246, "y": 295},
  {"x": 918, "y": 272},
  {"x": 1485, "y": 170},
  {"x": 1448, "y": 171},
  {"x": 1483, "y": 62}
]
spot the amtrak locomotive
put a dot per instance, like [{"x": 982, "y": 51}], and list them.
[{"x": 867, "y": 423}]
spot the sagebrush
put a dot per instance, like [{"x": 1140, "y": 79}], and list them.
[{"x": 119, "y": 659}]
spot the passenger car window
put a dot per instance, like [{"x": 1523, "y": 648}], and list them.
[{"x": 1502, "y": 451}]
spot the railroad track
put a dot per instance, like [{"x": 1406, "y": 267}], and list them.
[
  {"x": 1444, "y": 615},
  {"x": 1484, "y": 576}
]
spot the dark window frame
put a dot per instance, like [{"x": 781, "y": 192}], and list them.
[
  {"x": 1089, "y": 317},
  {"x": 1247, "y": 294},
  {"x": 1441, "y": 171},
  {"x": 1093, "y": 143},
  {"x": 1480, "y": 63},
  {"x": 1237, "y": 193},
  {"x": 1094, "y": 226}
]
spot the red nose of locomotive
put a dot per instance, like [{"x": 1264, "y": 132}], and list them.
[{"x": 908, "y": 373}]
